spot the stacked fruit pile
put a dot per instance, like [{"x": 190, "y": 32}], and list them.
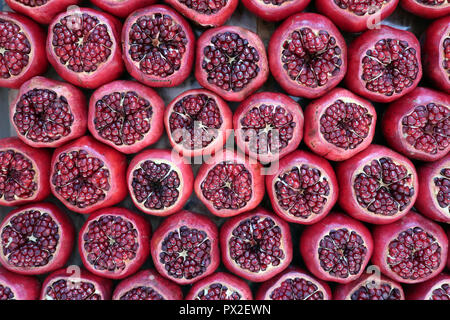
[{"x": 335, "y": 217}]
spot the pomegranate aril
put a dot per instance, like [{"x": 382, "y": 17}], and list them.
[
  {"x": 218, "y": 291},
  {"x": 297, "y": 289},
  {"x": 6, "y": 293},
  {"x": 361, "y": 8},
  {"x": 275, "y": 2},
  {"x": 383, "y": 291},
  {"x": 142, "y": 293},
  {"x": 67, "y": 290},
  {"x": 441, "y": 293},
  {"x": 205, "y": 6},
  {"x": 432, "y": 2},
  {"x": 32, "y": 3},
  {"x": 443, "y": 183},
  {"x": 446, "y": 60}
]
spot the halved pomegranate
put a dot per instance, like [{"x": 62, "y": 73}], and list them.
[
  {"x": 198, "y": 123},
  {"x": 436, "y": 53},
  {"x": 42, "y": 11},
  {"x": 385, "y": 64},
  {"x": 158, "y": 46},
  {"x": 437, "y": 288},
  {"x": 275, "y": 10},
  {"x": 339, "y": 125},
  {"x": 74, "y": 283},
  {"x": 87, "y": 175},
  {"x": 229, "y": 183},
  {"x": 126, "y": 115},
  {"x": 147, "y": 285},
  {"x": 83, "y": 45},
  {"x": 48, "y": 113},
  {"x": 122, "y": 8},
  {"x": 256, "y": 245},
  {"x": 17, "y": 287},
  {"x": 429, "y": 9},
  {"x": 220, "y": 286},
  {"x": 377, "y": 185},
  {"x": 303, "y": 189},
  {"x": 418, "y": 124},
  {"x": 231, "y": 61},
  {"x": 356, "y": 15},
  {"x": 337, "y": 248},
  {"x": 410, "y": 250},
  {"x": 205, "y": 13},
  {"x": 36, "y": 239},
  {"x": 185, "y": 247},
  {"x": 22, "y": 51},
  {"x": 369, "y": 287},
  {"x": 307, "y": 55},
  {"x": 24, "y": 173},
  {"x": 294, "y": 284},
  {"x": 159, "y": 181},
  {"x": 268, "y": 125}
]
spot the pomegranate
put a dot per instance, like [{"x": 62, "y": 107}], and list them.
[
  {"x": 231, "y": 61},
  {"x": 220, "y": 286},
  {"x": 256, "y": 245},
  {"x": 42, "y": 11},
  {"x": 429, "y": 9},
  {"x": 22, "y": 52},
  {"x": 410, "y": 250},
  {"x": 337, "y": 248},
  {"x": 48, "y": 113},
  {"x": 87, "y": 175},
  {"x": 303, "y": 189},
  {"x": 147, "y": 285},
  {"x": 74, "y": 283},
  {"x": 437, "y": 288},
  {"x": 369, "y": 287},
  {"x": 436, "y": 53},
  {"x": 18, "y": 287},
  {"x": 268, "y": 125},
  {"x": 294, "y": 284},
  {"x": 24, "y": 173},
  {"x": 339, "y": 125},
  {"x": 355, "y": 15},
  {"x": 158, "y": 46},
  {"x": 229, "y": 183},
  {"x": 205, "y": 13},
  {"x": 418, "y": 124},
  {"x": 377, "y": 185},
  {"x": 185, "y": 247},
  {"x": 275, "y": 10},
  {"x": 385, "y": 64},
  {"x": 122, "y": 8},
  {"x": 307, "y": 55},
  {"x": 83, "y": 45},
  {"x": 198, "y": 123},
  {"x": 160, "y": 181},
  {"x": 126, "y": 115},
  {"x": 35, "y": 239}
]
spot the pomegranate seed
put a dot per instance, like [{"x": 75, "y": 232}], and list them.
[
  {"x": 443, "y": 185},
  {"x": 68, "y": 290},
  {"x": 205, "y": 6},
  {"x": 361, "y": 7},
  {"x": 297, "y": 289},
  {"x": 32, "y": 3},
  {"x": 432, "y": 2},
  {"x": 383, "y": 291},
  {"x": 275, "y": 2},
  {"x": 446, "y": 60},
  {"x": 218, "y": 291},
  {"x": 441, "y": 293},
  {"x": 6, "y": 293},
  {"x": 142, "y": 293}
]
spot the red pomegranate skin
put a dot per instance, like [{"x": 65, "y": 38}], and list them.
[
  {"x": 77, "y": 106},
  {"x": 312, "y": 236},
  {"x": 404, "y": 124},
  {"x": 13, "y": 225},
  {"x": 174, "y": 224},
  {"x": 365, "y": 44},
  {"x": 383, "y": 235},
  {"x": 252, "y": 117},
  {"x": 40, "y": 166},
  {"x": 311, "y": 192},
  {"x": 75, "y": 283},
  {"x": 309, "y": 287},
  {"x": 338, "y": 150},
  {"x": 437, "y": 288},
  {"x": 147, "y": 285},
  {"x": 114, "y": 238},
  {"x": 43, "y": 13},
  {"x": 18, "y": 287},
  {"x": 105, "y": 71},
  {"x": 185, "y": 65},
  {"x": 141, "y": 139},
  {"x": 224, "y": 284},
  {"x": 435, "y": 55},
  {"x": 369, "y": 287},
  {"x": 113, "y": 161},
  {"x": 37, "y": 62},
  {"x": 347, "y": 173},
  {"x": 423, "y": 9},
  {"x": 272, "y": 10},
  {"x": 122, "y": 8},
  {"x": 280, "y": 259},
  {"x": 230, "y": 181}
]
